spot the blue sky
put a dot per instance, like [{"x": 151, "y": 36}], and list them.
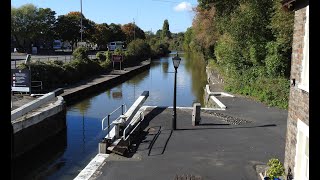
[{"x": 147, "y": 14}]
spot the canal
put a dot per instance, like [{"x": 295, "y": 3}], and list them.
[{"x": 64, "y": 156}]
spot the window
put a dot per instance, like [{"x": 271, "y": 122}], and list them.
[
  {"x": 301, "y": 168},
  {"x": 304, "y": 83}
]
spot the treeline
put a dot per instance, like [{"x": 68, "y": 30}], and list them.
[
  {"x": 32, "y": 26},
  {"x": 249, "y": 43}
]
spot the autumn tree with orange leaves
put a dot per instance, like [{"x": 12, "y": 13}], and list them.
[{"x": 132, "y": 32}]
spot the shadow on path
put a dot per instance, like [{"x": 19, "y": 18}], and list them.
[{"x": 206, "y": 128}]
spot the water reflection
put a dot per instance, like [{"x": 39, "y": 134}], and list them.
[
  {"x": 197, "y": 67},
  {"x": 165, "y": 68}
]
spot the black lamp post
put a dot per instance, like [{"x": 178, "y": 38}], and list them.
[{"x": 176, "y": 61}]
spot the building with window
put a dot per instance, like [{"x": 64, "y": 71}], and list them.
[{"x": 297, "y": 139}]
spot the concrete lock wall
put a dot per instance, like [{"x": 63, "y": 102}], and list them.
[
  {"x": 30, "y": 137},
  {"x": 29, "y": 131},
  {"x": 31, "y": 105}
]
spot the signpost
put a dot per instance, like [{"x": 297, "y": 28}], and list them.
[
  {"x": 20, "y": 80},
  {"x": 117, "y": 58}
]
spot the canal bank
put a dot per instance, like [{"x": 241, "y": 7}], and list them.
[{"x": 83, "y": 89}]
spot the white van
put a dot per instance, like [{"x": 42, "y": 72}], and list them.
[{"x": 116, "y": 45}]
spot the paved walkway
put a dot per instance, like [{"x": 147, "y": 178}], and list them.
[{"x": 226, "y": 145}]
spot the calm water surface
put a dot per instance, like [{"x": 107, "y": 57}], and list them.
[{"x": 83, "y": 133}]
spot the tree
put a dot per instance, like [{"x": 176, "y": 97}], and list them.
[
  {"x": 46, "y": 20},
  {"x": 223, "y": 7},
  {"x": 132, "y": 32},
  {"x": 31, "y": 26},
  {"x": 116, "y": 33},
  {"x": 205, "y": 32},
  {"x": 68, "y": 28},
  {"x": 139, "y": 48},
  {"x": 188, "y": 37},
  {"x": 102, "y": 35},
  {"x": 149, "y": 35},
  {"x": 89, "y": 30},
  {"x": 159, "y": 33},
  {"x": 165, "y": 30}
]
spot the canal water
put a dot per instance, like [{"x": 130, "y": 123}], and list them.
[{"x": 73, "y": 148}]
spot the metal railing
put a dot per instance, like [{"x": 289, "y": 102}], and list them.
[
  {"x": 36, "y": 86},
  {"x": 123, "y": 110},
  {"x": 141, "y": 117}
]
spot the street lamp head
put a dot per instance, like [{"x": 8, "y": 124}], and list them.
[{"x": 176, "y": 61}]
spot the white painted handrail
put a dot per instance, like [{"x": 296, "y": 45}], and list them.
[
  {"x": 108, "y": 116},
  {"x": 140, "y": 117}
]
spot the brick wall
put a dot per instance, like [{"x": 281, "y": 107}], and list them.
[{"x": 299, "y": 99}]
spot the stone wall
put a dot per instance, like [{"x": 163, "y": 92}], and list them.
[{"x": 299, "y": 99}]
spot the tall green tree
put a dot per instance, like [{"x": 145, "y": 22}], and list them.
[
  {"x": 102, "y": 35},
  {"x": 68, "y": 27},
  {"x": 46, "y": 20},
  {"x": 116, "y": 32},
  {"x": 165, "y": 30},
  {"x": 31, "y": 26},
  {"x": 188, "y": 37}
]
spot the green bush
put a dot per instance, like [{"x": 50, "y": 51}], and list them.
[
  {"x": 139, "y": 48},
  {"x": 275, "y": 61},
  {"x": 81, "y": 53},
  {"x": 276, "y": 169},
  {"x": 271, "y": 91},
  {"x": 106, "y": 65},
  {"x": 108, "y": 55},
  {"x": 101, "y": 56},
  {"x": 118, "y": 52}
]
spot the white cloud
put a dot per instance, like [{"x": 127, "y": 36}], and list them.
[{"x": 184, "y": 6}]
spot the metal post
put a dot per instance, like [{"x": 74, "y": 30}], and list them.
[
  {"x": 81, "y": 19},
  {"x": 122, "y": 109},
  {"x": 174, "y": 125},
  {"x": 108, "y": 124}
]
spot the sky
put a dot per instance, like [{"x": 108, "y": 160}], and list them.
[{"x": 149, "y": 15}]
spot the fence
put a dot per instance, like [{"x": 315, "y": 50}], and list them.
[{"x": 64, "y": 59}]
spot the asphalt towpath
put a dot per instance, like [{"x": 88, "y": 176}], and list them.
[{"x": 227, "y": 144}]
